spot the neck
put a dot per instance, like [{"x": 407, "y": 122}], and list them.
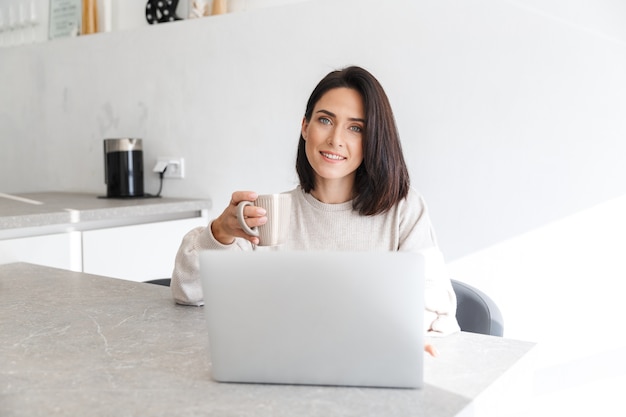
[{"x": 333, "y": 191}]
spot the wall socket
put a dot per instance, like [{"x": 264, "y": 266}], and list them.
[{"x": 175, "y": 166}]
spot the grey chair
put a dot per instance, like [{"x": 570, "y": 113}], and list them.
[
  {"x": 476, "y": 312},
  {"x": 161, "y": 281}
]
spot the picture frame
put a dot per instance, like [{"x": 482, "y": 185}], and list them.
[{"x": 65, "y": 18}]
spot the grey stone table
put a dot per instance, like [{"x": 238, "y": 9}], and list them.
[{"x": 74, "y": 344}]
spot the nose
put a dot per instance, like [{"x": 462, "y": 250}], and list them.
[{"x": 335, "y": 138}]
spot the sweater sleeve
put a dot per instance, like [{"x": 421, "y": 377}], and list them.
[
  {"x": 417, "y": 234},
  {"x": 439, "y": 296},
  {"x": 186, "y": 286}
]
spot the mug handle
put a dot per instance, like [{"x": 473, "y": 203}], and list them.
[{"x": 254, "y": 231}]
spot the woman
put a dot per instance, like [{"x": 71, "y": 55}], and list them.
[{"x": 354, "y": 194}]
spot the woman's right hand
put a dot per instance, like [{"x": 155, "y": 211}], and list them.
[{"x": 226, "y": 227}]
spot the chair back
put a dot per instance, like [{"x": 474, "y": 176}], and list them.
[
  {"x": 161, "y": 281},
  {"x": 476, "y": 312}
]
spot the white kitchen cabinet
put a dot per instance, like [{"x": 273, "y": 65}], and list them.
[
  {"x": 138, "y": 252},
  {"x": 133, "y": 239},
  {"x": 62, "y": 250}
]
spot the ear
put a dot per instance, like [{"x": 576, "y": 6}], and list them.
[{"x": 305, "y": 126}]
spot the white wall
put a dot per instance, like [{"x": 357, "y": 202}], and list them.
[{"x": 511, "y": 114}]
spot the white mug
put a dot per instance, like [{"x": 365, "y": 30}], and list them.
[{"x": 278, "y": 208}]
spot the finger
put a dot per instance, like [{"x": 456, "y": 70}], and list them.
[
  {"x": 252, "y": 239},
  {"x": 431, "y": 350},
  {"x": 252, "y": 216},
  {"x": 239, "y": 196},
  {"x": 228, "y": 228},
  {"x": 254, "y": 221},
  {"x": 253, "y": 212}
]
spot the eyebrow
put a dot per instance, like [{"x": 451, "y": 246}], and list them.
[{"x": 331, "y": 114}]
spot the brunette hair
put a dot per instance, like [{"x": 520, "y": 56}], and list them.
[{"x": 382, "y": 179}]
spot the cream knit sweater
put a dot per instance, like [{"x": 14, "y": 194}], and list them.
[{"x": 316, "y": 225}]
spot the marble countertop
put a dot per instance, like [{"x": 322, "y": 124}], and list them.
[
  {"x": 31, "y": 213},
  {"x": 78, "y": 344}
]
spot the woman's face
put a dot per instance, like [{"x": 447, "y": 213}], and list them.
[{"x": 334, "y": 136}]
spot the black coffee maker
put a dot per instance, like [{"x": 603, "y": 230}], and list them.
[{"x": 123, "y": 167}]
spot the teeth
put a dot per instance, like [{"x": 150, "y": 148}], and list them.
[{"x": 331, "y": 156}]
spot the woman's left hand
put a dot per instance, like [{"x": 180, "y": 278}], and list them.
[{"x": 431, "y": 350}]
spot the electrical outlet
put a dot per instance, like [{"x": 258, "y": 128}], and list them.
[{"x": 175, "y": 166}]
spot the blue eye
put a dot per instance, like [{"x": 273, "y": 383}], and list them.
[
  {"x": 324, "y": 120},
  {"x": 356, "y": 129}
]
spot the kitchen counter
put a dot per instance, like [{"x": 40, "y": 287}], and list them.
[
  {"x": 32, "y": 214},
  {"x": 79, "y": 344}
]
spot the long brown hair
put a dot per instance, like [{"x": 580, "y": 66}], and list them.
[{"x": 382, "y": 179}]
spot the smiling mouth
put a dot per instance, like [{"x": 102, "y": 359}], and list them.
[{"x": 332, "y": 156}]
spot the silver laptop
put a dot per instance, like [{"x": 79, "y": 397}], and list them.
[{"x": 319, "y": 318}]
